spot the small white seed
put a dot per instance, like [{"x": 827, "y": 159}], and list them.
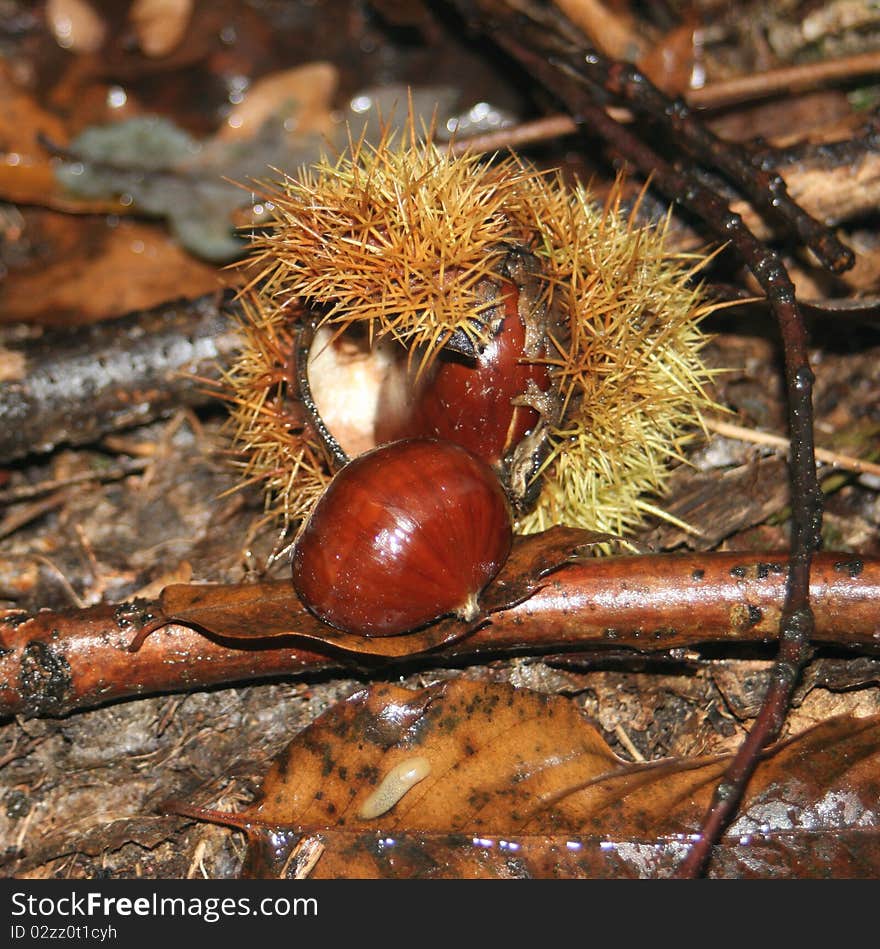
[{"x": 394, "y": 785}]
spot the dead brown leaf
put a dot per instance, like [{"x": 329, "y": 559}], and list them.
[
  {"x": 89, "y": 270},
  {"x": 258, "y": 611},
  {"x": 76, "y": 25},
  {"x": 160, "y": 25},
  {"x": 479, "y": 779},
  {"x": 306, "y": 92},
  {"x": 27, "y": 175}
]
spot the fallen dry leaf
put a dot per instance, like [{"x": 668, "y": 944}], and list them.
[
  {"x": 303, "y": 95},
  {"x": 260, "y": 611},
  {"x": 76, "y": 25},
  {"x": 89, "y": 270},
  {"x": 27, "y": 171},
  {"x": 476, "y": 779}
]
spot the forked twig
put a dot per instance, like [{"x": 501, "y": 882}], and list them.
[
  {"x": 765, "y": 189},
  {"x": 553, "y": 51}
]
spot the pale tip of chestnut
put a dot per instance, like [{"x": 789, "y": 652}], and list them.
[{"x": 470, "y": 609}]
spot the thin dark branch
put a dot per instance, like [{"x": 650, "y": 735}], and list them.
[
  {"x": 613, "y": 82},
  {"x": 552, "y": 51},
  {"x": 765, "y": 189}
]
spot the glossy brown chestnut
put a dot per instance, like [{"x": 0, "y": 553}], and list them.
[
  {"x": 403, "y": 535},
  {"x": 472, "y": 401}
]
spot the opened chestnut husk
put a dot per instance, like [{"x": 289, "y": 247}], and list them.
[{"x": 490, "y": 305}]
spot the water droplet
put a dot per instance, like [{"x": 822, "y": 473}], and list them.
[{"x": 116, "y": 97}]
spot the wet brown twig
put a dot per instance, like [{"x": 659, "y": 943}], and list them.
[{"x": 53, "y": 663}]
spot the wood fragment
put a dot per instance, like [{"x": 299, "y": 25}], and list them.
[
  {"x": 73, "y": 386},
  {"x": 847, "y": 462},
  {"x": 116, "y": 472},
  {"x": 783, "y": 81}
]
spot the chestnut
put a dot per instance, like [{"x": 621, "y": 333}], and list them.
[
  {"x": 403, "y": 535},
  {"x": 479, "y": 403}
]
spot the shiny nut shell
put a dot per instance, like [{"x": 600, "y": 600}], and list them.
[
  {"x": 403, "y": 535},
  {"x": 474, "y": 402}
]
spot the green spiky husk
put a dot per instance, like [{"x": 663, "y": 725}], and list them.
[
  {"x": 274, "y": 447},
  {"x": 396, "y": 238},
  {"x": 630, "y": 372}
]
